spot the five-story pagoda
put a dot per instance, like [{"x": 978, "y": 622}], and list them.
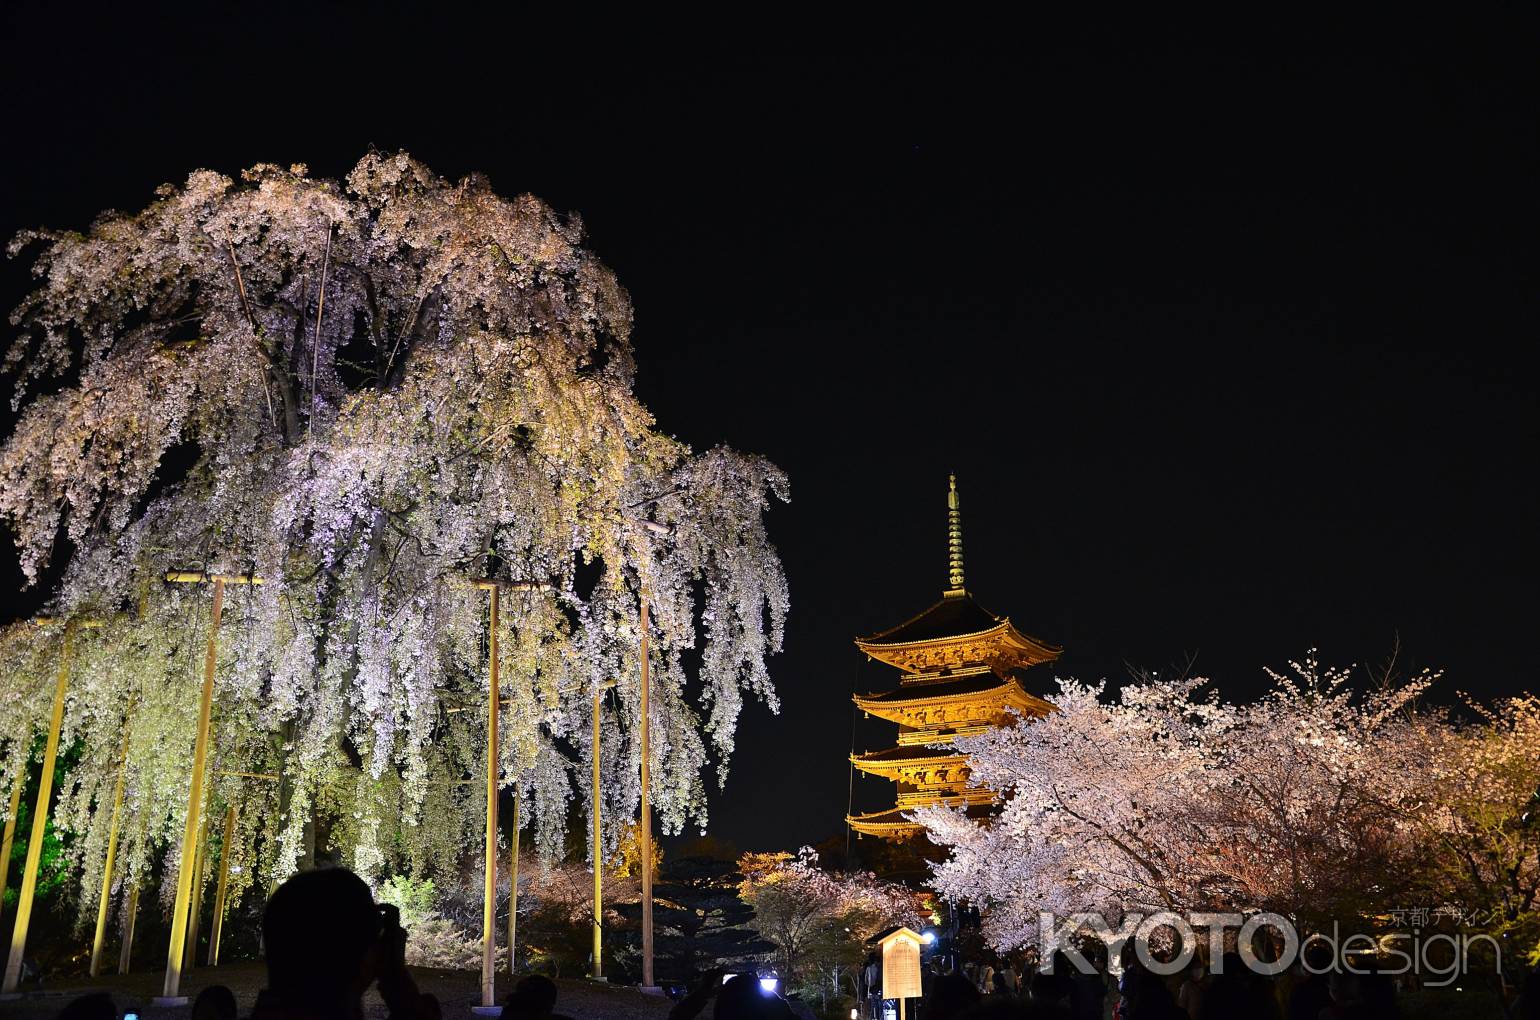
[{"x": 962, "y": 667}]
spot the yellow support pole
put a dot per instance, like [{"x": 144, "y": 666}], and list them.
[
  {"x": 170, "y": 991},
  {"x": 647, "y": 971},
  {"x": 174, "y": 952},
  {"x": 220, "y": 891},
  {"x": 9, "y": 839},
  {"x": 598, "y": 857},
  {"x": 39, "y": 821},
  {"x": 513, "y": 886},
  {"x": 195, "y": 909},
  {"x": 99, "y": 939},
  {"x": 130, "y": 913},
  {"x": 489, "y": 887}
]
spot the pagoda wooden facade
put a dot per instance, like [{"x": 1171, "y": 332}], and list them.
[{"x": 961, "y": 669}]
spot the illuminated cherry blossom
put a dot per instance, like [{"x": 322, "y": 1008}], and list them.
[
  {"x": 1315, "y": 801},
  {"x": 367, "y": 392}
]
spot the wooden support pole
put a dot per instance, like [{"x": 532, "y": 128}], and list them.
[
  {"x": 598, "y": 854},
  {"x": 195, "y": 909},
  {"x": 489, "y": 887},
  {"x": 99, "y": 939},
  {"x": 513, "y": 886},
  {"x": 647, "y": 971},
  {"x": 39, "y": 820},
  {"x": 130, "y": 914},
  {"x": 9, "y": 839},
  {"x": 171, "y": 990},
  {"x": 221, "y": 889}
]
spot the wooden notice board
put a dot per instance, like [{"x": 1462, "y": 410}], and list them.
[{"x": 901, "y": 965}]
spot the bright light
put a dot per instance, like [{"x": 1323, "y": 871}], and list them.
[
  {"x": 854, "y": 1013},
  {"x": 768, "y": 985},
  {"x": 929, "y": 938}
]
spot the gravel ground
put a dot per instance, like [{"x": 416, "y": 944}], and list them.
[{"x": 456, "y": 990}]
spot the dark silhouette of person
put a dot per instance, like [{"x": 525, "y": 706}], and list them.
[
  {"x": 95, "y": 1006},
  {"x": 1528, "y": 1006},
  {"x": 1311, "y": 993},
  {"x": 1237, "y": 991},
  {"x": 951, "y": 995},
  {"x": 1013, "y": 1008},
  {"x": 705, "y": 989},
  {"x": 1379, "y": 994},
  {"x": 742, "y": 998},
  {"x": 533, "y": 998},
  {"x": 1347, "y": 1002},
  {"x": 216, "y": 1002},
  {"x": 1088, "y": 989},
  {"x": 1055, "y": 987},
  {"x": 326, "y": 943},
  {"x": 1146, "y": 997}
]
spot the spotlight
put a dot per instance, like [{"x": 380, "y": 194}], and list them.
[
  {"x": 929, "y": 938},
  {"x": 768, "y": 985}
]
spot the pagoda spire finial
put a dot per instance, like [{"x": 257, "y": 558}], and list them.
[{"x": 954, "y": 552}]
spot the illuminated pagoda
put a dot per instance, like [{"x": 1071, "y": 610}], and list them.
[{"x": 962, "y": 669}]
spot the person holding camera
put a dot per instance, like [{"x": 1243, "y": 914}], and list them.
[{"x": 327, "y": 943}]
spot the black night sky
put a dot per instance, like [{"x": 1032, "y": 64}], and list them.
[{"x": 1227, "y": 340}]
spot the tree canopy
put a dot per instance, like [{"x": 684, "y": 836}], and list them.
[
  {"x": 368, "y": 392},
  {"x": 1318, "y": 802}
]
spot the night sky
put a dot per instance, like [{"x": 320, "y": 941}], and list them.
[{"x": 1227, "y": 340}]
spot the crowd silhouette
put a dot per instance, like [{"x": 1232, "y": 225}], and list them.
[{"x": 327, "y": 943}]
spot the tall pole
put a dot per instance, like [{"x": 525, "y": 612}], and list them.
[
  {"x": 170, "y": 991},
  {"x": 224, "y": 883},
  {"x": 100, "y": 938},
  {"x": 10, "y": 827},
  {"x": 489, "y": 889},
  {"x": 130, "y": 912},
  {"x": 195, "y": 909},
  {"x": 184, "y": 880},
  {"x": 598, "y": 855},
  {"x": 39, "y": 820},
  {"x": 513, "y": 885},
  {"x": 647, "y": 981}
]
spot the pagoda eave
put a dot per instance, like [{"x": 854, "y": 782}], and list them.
[
  {"x": 883, "y": 825},
  {"x": 1002, "y": 645},
  {"x": 893, "y": 823},
  {"x": 891, "y": 767},
  {"x": 918, "y": 707}
]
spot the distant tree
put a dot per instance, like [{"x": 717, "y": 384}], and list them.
[
  {"x": 555, "y": 918},
  {"x": 1481, "y": 818},
  {"x": 819, "y": 920},
  {"x": 1316, "y": 801},
  {"x": 701, "y": 920},
  {"x": 432, "y": 940},
  {"x": 627, "y": 859}
]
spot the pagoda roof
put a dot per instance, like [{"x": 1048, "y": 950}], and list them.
[
  {"x": 905, "y": 753},
  {"x": 893, "y": 821},
  {"x": 900, "y": 703},
  {"x": 978, "y": 683},
  {"x": 956, "y": 630},
  {"x": 894, "y": 760},
  {"x": 956, "y": 615}
]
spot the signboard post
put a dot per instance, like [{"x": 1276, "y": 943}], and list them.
[{"x": 900, "y": 966}]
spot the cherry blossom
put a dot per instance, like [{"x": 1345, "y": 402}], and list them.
[{"x": 369, "y": 393}]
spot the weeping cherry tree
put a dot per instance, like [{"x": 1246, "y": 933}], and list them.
[{"x": 369, "y": 393}]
